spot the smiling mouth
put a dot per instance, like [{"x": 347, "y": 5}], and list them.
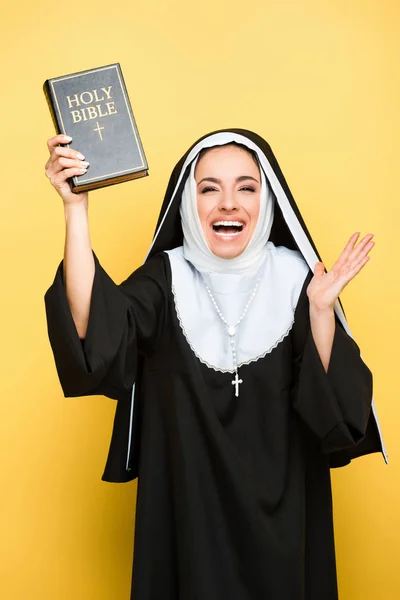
[{"x": 228, "y": 228}]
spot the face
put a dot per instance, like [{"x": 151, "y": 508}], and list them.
[{"x": 228, "y": 199}]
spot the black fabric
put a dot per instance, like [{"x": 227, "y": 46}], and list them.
[
  {"x": 109, "y": 360},
  {"x": 234, "y": 496},
  {"x": 170, "y": 234}
]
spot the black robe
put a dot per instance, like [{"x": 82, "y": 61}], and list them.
[{"x": 234, "y": 495}]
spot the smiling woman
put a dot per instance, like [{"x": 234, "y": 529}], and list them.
[
  {"x": 228, "y": 198},
  {"x": 238, "y": 383}
]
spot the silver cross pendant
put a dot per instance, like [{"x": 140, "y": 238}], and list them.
[{"x": 236, "y": 383}]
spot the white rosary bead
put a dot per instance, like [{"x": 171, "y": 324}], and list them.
[{"x": 232, "y": 330}]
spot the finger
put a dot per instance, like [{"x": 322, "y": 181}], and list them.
[
  {"x": 351, "y": 254},
  {"x": 67, "y": 152},
  {"x": 60, "y": 151},
  {"x": 360, "y": 249},
  {"x": 319, "y": 269},
  {"x": 358, "y": 268},
  {"x": 60, "y": 178},
  {"x": 347, "y": 250},
  {"x": 64, "y": 163},
  {"x": 58, "y": 139},
  {"x": 361, "y": 255},
  {"x": 351, "y": 268}
]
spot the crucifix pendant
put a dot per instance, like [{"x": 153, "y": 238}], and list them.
[{"x": 236, "y": 383}]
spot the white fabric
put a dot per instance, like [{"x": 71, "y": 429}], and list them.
[
  {"x": 268, "y": 320},
  {"x": 195, "y": 247},
  {"x": 288, "y": 213}
]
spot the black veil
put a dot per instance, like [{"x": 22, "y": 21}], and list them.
[{"x": 288, "y": 229}]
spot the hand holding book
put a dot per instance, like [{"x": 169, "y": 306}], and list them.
[
  {"x": 93, "y": 108},
  {"x": 63, "y": 164},
  {"x": 78, "y": 264}
]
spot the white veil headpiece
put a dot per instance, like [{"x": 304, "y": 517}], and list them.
[
  {"x": 291, "y": 219},
  {"x": 195, "y": 247},
  {"x": 234, "y": 282}
]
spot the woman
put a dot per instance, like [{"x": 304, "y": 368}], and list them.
[{"x": 238, "y": 384}]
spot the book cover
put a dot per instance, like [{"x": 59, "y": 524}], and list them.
[{"x": 93, "y": 107}]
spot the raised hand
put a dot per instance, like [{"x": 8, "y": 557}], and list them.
[
  {"x": 324, "y": 288},
  {"x": 64, "y": 163}
]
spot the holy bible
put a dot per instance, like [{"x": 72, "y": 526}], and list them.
[{"x": 93, "y": 108}]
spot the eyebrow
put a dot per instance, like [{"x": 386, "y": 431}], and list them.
[{"x": 238, "y": 179}]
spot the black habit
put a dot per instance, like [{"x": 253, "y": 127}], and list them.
[{"x": 234, "y": 493}]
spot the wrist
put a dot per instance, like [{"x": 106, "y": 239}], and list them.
[
  {"x": 322, "y": 311},
  {"x": 75, "y": 208}
]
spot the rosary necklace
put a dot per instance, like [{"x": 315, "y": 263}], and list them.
[{"x": 232, "y": 330}]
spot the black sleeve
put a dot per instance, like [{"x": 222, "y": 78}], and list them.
[
  {"x": 335, "y": 405},
  {"x": 124, "y": 320}
]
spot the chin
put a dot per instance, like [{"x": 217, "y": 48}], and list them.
[
  {"x": 224, "y": 241},
  {"x": 226, "y": 253}
]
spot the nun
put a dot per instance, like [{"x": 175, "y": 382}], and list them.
[{"x": 237, "y": 382}]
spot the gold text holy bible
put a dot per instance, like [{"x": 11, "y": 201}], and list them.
[{"x": 94, "y": 109}]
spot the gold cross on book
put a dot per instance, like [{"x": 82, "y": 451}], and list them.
[{"x": 98, "y": 129}]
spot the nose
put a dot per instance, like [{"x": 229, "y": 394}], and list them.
[{"x": 228, "y": 202}]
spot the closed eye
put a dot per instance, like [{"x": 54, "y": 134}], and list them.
[{"x": 246, "y": 188}]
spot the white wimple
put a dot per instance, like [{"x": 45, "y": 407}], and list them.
[
  {"x": 290, "y": 218},
  {"x": 267, "y": 320}
]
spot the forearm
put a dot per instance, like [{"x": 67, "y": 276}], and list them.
[
  {"x": 79, "y": 264},
  {"x": 323, "y": 331}
]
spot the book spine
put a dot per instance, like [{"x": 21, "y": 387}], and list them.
[
  {"x": 129, "y": 108},
  {"x": 48, "y": 92}
]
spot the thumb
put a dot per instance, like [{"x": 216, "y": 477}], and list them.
[{"x": 319, "y": 269}]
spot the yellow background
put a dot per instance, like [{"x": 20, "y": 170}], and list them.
[{"x": 318, "y": 79}]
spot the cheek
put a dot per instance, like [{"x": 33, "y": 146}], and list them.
[
  {"x": 253, "y": 211},
  {"x": 256, "y": 213},
  {"x": 204, "y": 208}
]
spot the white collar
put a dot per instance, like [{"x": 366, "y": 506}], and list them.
[{"x": 267, "y": 322}]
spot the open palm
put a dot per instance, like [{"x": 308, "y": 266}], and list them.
[{"x": 324, "y": 288}]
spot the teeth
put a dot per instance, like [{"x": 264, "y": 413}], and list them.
[
  {"x": 228, "y": 224},
  {"x": 224, "y": 234}
]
